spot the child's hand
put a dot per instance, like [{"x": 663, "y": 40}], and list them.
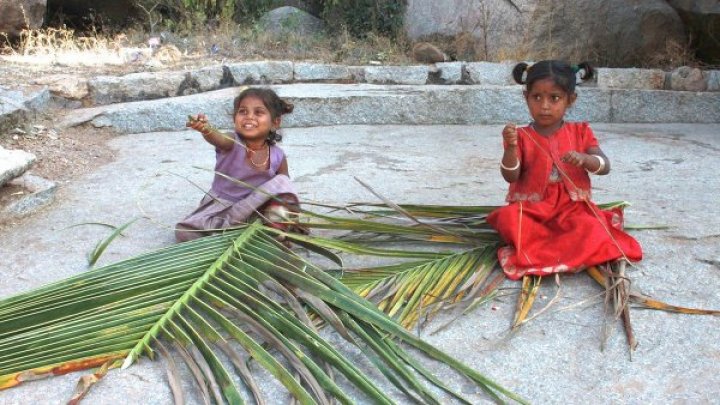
[
  {"x": 575, "y": 158},
  {"x": 197, "y": 122},
  {"x": 510, "y": 135}
]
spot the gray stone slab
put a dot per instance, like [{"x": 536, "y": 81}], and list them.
[
  {"x": 41, "y": 193},
  {"x": 396, "y": 74},
  {"x": 648, "y": 79},
  {"x": 319, "y": 72},
  {"x": 556, "y": 358},
  {"x": 713, "y": 80},
  {"x": 135, "y": 86},
  {"x": 263, "y": 72},
  {"x": 489, "y": 73},
  {"x": 356, "y": 104},
  {"x": 450, "y": 72},
  {"x": 14, "y": 163},
  {"x": 209, "y": 78},
  {"x": 17, "y": 106},
  {"x": 664, "y": 106}
]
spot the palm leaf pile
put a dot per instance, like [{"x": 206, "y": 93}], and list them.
[
  {"x": 221, "y": 300},
  {"x": 218, "y": 300}
]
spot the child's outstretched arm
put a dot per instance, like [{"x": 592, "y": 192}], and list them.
[
  {"x": 593, "y": 160},
  {"x": 218, "y": 139},
  {"x": 510, "y": 164}
]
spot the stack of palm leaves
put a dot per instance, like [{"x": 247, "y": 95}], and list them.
[
  {"x": 414, "y": 291},
  {"x": 243, "y": 292},
  {"x": 212, "y": 299}
]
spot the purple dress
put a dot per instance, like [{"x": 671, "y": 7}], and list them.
[
  {"x": 229, "y": 203},
  {"x": 234, "y": 165}
]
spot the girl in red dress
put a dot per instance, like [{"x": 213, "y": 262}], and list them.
[{"x": 550, "y": 224}]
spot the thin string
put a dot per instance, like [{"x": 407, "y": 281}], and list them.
[{"x": 577, "y": 190}]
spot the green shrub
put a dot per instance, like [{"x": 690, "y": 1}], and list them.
[
  {"x": 358, "y": 17},
  {"x": 361, "y": 17}
]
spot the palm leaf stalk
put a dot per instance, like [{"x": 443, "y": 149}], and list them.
[{"x": 209, "y": 299}]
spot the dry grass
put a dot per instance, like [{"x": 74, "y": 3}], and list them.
[
  {"x": 61, "y": 46},
  {"x": 675, "y": 55},
  {"x": 64, "y": 47}
]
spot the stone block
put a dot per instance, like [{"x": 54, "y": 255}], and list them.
[
  {"x": 713, "y": 78},
  {"x": 319, "y": 72},
  {"x": 135, "y": 87},
  {"x": 686, "y": 78},
  {"x": 396, "y": 74},
  {"x": 13, "y": 163},
  {"x": 450, "y": 72},
  {"x": 645, "y": 79},
  {"x": 490, "y": 74},
  {"x": 42, "y": 193},
  {"x": 265, "y": 72}
]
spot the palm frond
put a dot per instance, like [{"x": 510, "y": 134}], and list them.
[
  {"x": 411, "y": 290},
  {"x": 209, "y": 298}
]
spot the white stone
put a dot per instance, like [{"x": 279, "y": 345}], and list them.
[
  {"x": 264, "y": 72},
  {"x": 13, "y": 163}
]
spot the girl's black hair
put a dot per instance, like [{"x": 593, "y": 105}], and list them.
[
  {"x": 275, "y": 105},
  {"x": 562, "y": 73}
]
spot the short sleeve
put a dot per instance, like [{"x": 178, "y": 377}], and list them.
[
  {"x": 587, "y": 137},
  {"x": 277, "y": 155}
]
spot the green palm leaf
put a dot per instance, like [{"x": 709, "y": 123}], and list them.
[{"x": 206, "y": 294}]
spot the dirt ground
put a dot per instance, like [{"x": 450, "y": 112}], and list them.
[{"x": 62, "y": 155}]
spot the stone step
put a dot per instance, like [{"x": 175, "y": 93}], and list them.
[
  {"x": 367, "y": 104},
  {"x": 16, "y": 106},
  {"x": 14, "y": 163}
]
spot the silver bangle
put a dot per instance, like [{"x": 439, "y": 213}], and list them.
[
  {"x": 602, "y": 165},
  {"x": 517, "y": 166}
]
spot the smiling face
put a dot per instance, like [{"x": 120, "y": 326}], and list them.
[
  {"x": 253, "y": 120},
  {"x": 547, "y": 103}
]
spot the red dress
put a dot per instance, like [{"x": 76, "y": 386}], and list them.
[{"x": 550, "y": 223}]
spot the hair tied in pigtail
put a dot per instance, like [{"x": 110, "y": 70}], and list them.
[
  {"x": 520, "y": 72},
  {"x": 585, "y": 70}
]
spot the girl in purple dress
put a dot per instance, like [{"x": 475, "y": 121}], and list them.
[{"x": 251, "y": 171}]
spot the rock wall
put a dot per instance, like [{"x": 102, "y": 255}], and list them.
[
  {"x": 702, "y": 19},
  {"x": 610, "y": 32},
  {"x": 17, "y": 15}
]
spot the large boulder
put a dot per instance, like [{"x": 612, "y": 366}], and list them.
[
  {"x": 286, "y": 20},
  {"x": 21, "y": 14},
  {"x": 613, "y": 32},
  {"x": 702, "y": 18},
  {"x": 610, "y": 32}
]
